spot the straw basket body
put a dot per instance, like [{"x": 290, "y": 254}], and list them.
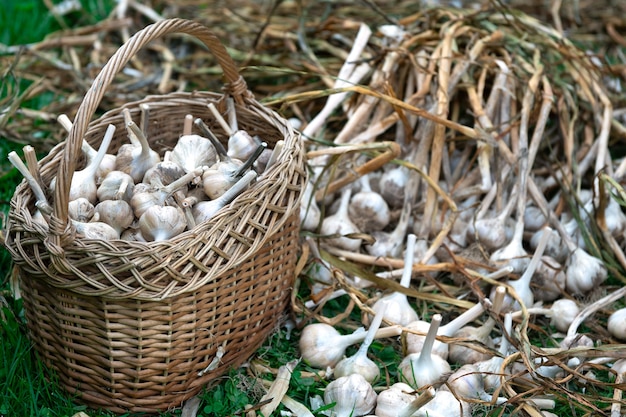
[{"x": 142, "y": 327}]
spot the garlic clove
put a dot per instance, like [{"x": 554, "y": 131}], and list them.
[
  {"x": 352, "y": 396},
  {"x": 160, "y": 223}
]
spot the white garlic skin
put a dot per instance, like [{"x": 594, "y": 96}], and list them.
[
  {"x": 414, "y": 342},
  {"x": 564, "y": 311},
  {"x": 80, "y": 210},
  {"x": 394, "y": 399},
  {"x": 241, "y": 145},
  {"x": 310, "y": 214},
  {"x": 95, "y": 230},
  {"x": 116, "y": 185},
  {"x": 116, "y": 213},
  {"x": 368, "y": 209},
  {"x": 160, "y": 223},
  {"x": 352, "y": 395},
  {"x": 193, "y": 151},
  {"x": 321, "y": 345},
  {"x": 340, "y": 223},
  {"x": 548, "y": 280},
  {"x": 418, "y": 376},
  {"x": 392, "y": 185},
  {"x": 464, "y": 355},
  {"x": 617, "y": 324},
  {"x": 398, "y": 310},
  {"x": 444, "y": 405},
  {"x": 584, "y": 272}
]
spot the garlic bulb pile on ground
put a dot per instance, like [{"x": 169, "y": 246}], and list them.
[{"x": 137, "y": 194}]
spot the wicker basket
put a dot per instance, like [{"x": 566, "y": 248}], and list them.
[{"x": 131, "y": 326}]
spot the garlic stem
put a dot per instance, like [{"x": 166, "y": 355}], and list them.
[
  {"x": 188, "y": 125},
  {"x": 220, "y": 119},
  {"x": 221, "y": 150},
  {"x": 41, "y": 202},
  {"x": 278, "y": 148},
  {"x": 248, "y": 163},
  {"x": 205, "y": 210},
  {"x": 423, "y": 399},
  {"x": 462, "y": 320},
  {"x": 144, "y": 120}
]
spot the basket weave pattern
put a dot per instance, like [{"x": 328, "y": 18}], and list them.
[{"x": 129, "y": 325}]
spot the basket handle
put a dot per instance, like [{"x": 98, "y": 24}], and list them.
[{"x": 59, "y": 221}]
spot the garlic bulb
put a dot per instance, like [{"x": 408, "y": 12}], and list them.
[
  {"x": 163, "y": 173},
  {"x": 340, "y": 224},
  {"x": 352, "y": 395},
  {"x": 396, "y": 305},
  {"x": 116, "y": 213},
  {"x": 205, "y": 210},
  {"x": 117, "y": 185},
  {"x": 359, "y": 363},
  {"x": 584, "y": 272},
  {"x": 193, "y": 151},
  {"x": 391, "y": 244},
  {"x": 133, "y": 159},
  {"x": 321, "y": 345},
  {"x": 467, "y": 383},
  {"x": 549, "y": 280},
  {"x": 400, "y": 400},
  {"x": 95, "y": 230},
  {"x": 445, "y": 404},
  {"x": 491, "y": 367},
  {"x": 80, "y": 210},
  {"x": 368, "y": 209},
  {"x": 392, "y": 186},
  {"x": 142, "y": 200},
  {"x": 492, "y": 233},
  {"x": 616, "y": 324},
  {"x": 563, "y": 313},
  {"x": 221, "y": 176},
  {"x": 160, "y": 223},
  {"x": 320, "y": 269},
  {"x": 424, "y": 368},
  {"x": 465, "y": 355},
  {"x": 241, "y": 145},
  {"x": 83, "y": 182},
  {"x": 415, "y": 342}
]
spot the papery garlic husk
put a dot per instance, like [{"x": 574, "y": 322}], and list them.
[
  {"x": 116, "y": 213},
  {"x": 445, "y": 405},
  {"x": 584, "y": 272},
  {"x": 465, "y": 355},
  {"x": 117, "y": 185},
  {"x": 132, "y": 234},
  {"x": 392, "y": 186},
  {"x": 548, "y": 280},
  {"x": 467, "y": 383},
  {"x": 241, "y": 145},
  {"x": 163, "y": 173},
  {"x": 616, "y": 324},
  {"x": 80, "y": 210},
  {"x": 95, "y": 230},
  {"x": 353, "y": 396},
  {"x": 394, "y": 399},
  {"x": 368, "y": 209},
  {"x": 193, "y": 151},
  {"x": 160, "y": 223},
  {"x": 555, "y": 247},
  {"x": 564, "y": 311}
]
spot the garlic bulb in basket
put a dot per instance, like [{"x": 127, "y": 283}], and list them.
[
  {"x": 116, "y": 213},
  {"x": 95, "y": 230},
  {"x": 80, "y": 210},
  {"x": 160, "y": 223},
  {"x": 205, "y": 210},
  {"x": 117, "y": 185},
  {"x": 133, "y": 159},
  {"x": 142, "y": 200},
  {"x": 352, "y": 396},
  {"x": 193, "y": 151}
]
